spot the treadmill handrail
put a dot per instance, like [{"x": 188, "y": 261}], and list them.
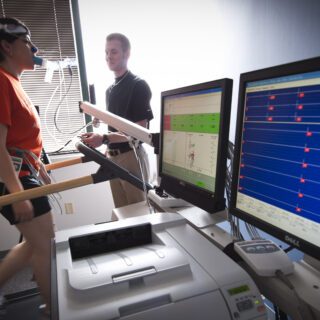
[{"x": 106, "y": 163}]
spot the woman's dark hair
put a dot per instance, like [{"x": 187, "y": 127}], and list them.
[{"x": 10, "y": 36}]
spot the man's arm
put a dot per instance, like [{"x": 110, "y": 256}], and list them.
[
  {"x": 118, "y": 137},
  {"x": 95, "y": 140}
]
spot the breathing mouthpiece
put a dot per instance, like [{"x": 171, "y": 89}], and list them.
[{"x": 39, "y": 61}]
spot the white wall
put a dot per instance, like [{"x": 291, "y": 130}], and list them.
[
  {"x": 264, "y": 33},
  {"x": 91, "y": 204},
  {"x": 180, "y": 42}
]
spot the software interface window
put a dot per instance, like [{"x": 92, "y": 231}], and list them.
[
  {"x": 188, "y": 131},
  {"x": 279, "y": 165}
]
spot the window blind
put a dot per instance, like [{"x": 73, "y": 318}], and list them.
[{"x": 52, "y": 31}]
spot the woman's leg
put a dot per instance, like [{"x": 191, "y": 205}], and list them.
[
  {"x": 18, "y": 257},
  {"x": 38, "y": 234}
]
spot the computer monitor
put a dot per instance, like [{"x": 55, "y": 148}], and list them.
[
  {"x": 276, "y": 171},
  {"x": 194, "y": 138}
]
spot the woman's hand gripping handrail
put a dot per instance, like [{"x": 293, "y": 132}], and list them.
[
  {"x": 65, "y": 163},
  {"x": 45, "y": 190},
  {"x": 50, "y": 188}
]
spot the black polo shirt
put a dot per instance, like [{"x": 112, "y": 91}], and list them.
[{"x": 129, "y": 97}]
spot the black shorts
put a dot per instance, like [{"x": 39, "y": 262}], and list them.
[{"x": 41, "y": 205}]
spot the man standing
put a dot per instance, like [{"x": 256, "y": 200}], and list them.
[{"x": 128, "y": 97}]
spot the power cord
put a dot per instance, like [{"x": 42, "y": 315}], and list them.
[
  {"x": 69, "y": 141},
  {"x": 151, "y": 209}
]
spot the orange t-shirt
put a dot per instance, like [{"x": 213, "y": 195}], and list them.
[{"x": 20, "y": 116}]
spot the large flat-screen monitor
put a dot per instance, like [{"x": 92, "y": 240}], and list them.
[
  {"x": 194, "y": 139},
  {"x": 276, "y": 172}
]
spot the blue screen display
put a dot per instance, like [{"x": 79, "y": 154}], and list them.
[{"x": 278, "y": 171}]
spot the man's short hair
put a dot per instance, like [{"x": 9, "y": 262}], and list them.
[{"x": 125, "y": 43}]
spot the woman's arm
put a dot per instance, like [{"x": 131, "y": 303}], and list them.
[
  {"x": 7, "y": 171},
  {"x": 23, "y": 210}
]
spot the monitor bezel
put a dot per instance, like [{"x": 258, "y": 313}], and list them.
[
  {"x": 297, "y": 67},
  {"x": 208, "y": 201}
]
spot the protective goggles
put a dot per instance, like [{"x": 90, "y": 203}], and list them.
[{"x": 13, "y": 29}]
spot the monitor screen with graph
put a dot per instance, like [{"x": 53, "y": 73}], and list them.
[
  {"x": 194, "y": 143},
  {"x": 276, "y": 172}
]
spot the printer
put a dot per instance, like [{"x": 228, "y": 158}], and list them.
[{"x": 154, "y": 266}]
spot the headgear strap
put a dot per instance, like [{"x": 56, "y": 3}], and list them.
[{"x": 13, "y": 29}]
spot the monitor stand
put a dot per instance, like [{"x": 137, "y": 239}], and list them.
[
  {"x": 311, "y": 262},
  {"x": 200, "y": 218},
  {"x": 164, "y": 200}
]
